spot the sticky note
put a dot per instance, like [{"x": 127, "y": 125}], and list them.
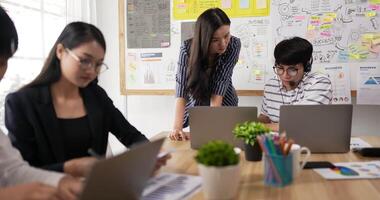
[
  {"x": 310, "y": 27},
  {"x": 332, "y": 15},
  {"x": 328, "y": 19},
  {"x": 326, "y": 26},
  {"x": 313, "y": 17},
  {"x": 374, "y": 7},
  {"x": 261, "y": 4},
  {"x": 370, "y": 13},
  {"x": 244, "y": 4},
  {"x": 226, "y": 4},
  {"x": 376, "y": 41},
  {"x": 326, "y": 33},
  {"x": 299, "y": 17}
]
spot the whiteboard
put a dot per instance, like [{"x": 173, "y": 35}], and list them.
[{"x": 343, "y": 33}]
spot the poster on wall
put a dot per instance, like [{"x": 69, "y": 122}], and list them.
[
  {"x": 340, "y": 31},
  {"x": 340, "y": 82},
  {"x": 369, "y": 85},
  {"x": 147, "y": 28}
]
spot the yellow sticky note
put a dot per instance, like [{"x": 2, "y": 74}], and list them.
[
  {"x": 257, "y": 72},
  {"x": 315, "y": 17},
  {"x": 376, "y": 41},
  {"x": 367, "y": 36},
  {"x": 326, "y": 26},
  {"x": 328, "y": 19},
  {"x": 370, "y": 13},
  {"x": 332, "y": 15},
  {"x": 374, "y": 1},
  {"x": 310, "y": 27}
]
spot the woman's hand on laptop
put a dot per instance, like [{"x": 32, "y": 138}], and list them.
[
  {"x": 179, "y": 135},
  {"x": 79, "y": 167},
  {"x": 69, "y": 188}
]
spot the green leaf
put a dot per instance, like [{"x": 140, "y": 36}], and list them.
[
  {"x": 217, "y": 153},
  {"x": 248, "y": 131}
]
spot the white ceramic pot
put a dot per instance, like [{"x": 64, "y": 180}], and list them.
[{"x": 220, "y": 182}]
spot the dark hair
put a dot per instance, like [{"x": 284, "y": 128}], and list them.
[
  {"x": 198, "y": 72},
  {"x": 72, "y": 36},
  {"x": 293, "y": 51},
  {"x": 8, "y": 35}
]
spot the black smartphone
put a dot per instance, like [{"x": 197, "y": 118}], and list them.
[{"x": 318, "y": 164}]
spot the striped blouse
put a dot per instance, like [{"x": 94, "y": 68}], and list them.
[
  {"x": 221, "y": 80},
  {"x": 314, "y": 88}
]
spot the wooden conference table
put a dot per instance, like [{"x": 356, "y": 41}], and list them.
[{"x": 308, "y": 185}]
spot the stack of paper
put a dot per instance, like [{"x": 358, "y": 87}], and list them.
[{"x": 171, "y": 186}]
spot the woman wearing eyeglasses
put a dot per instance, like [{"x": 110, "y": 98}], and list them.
[
  {"x": 59, "y": 116},
  {"x": 293, "y": 83}
]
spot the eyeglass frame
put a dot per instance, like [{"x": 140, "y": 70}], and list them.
[
  {"x": 89, "y": 65},
  {"x": 293, "y": 67}
]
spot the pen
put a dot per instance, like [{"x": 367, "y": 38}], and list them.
[{"x": 91, "y": 152}]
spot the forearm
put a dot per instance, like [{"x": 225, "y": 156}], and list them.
[
  {"x": 179, "y": 113},
  {"x": 216, "y": 100}
]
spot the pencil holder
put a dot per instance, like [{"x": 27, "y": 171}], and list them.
[{"x": 278, "y": 170}]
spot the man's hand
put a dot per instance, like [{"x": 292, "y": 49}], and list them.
[{"x": 29, "y": 191}]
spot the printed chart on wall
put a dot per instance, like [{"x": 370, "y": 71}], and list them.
[
  {"x": 149, "y": 35},
  {"x": 345, "y": 36}
]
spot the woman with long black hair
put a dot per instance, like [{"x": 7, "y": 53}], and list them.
[{"x": 205, "y": 67}]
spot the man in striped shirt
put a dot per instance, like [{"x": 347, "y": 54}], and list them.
[{"x": 293, "y": 83}]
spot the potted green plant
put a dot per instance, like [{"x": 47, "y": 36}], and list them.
[
  {"x": 248, "y": 131},
  {"x": 218, "y": 165}
]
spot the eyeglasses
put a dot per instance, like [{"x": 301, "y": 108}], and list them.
[
  {"x": 88, "y": 63},
  {"x": 291, "y": 71}
]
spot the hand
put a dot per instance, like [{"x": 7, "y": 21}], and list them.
[
  {"x": 161, "y": 162},
  {"x": 178, "y": 135},
  {"x": 69, "y": 188},
  {"x": 79, "y": 167},
  {"x": 273, "y": 126},
  {"x": 29, "y": 191}
]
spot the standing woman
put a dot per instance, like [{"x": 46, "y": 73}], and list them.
[
  {"x": 59, "y": 116},
  {"x": 205, "y": 67}
]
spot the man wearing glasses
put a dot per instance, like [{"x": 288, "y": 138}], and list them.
[{"x": 293, "y": 83}]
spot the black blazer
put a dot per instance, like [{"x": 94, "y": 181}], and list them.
[{"x": 33, "y": 126}]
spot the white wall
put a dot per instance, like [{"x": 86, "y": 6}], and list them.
[{"x": 152, "y": 114}]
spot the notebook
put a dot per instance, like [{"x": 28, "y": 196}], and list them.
[
  {"x": 211, "y": 123},
  {"x": 321, "y": 128},
  {"x": 123, "y": 176}
]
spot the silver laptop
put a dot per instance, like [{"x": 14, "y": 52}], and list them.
[
  {"x": 211, "y": 123},
  {"x": 123, "y": 176},
  {"x": 321, "y": 128}
]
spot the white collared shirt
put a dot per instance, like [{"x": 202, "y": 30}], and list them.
[
  {"x": 314, "y": 88},
  {"x": 14, "y": 170}
]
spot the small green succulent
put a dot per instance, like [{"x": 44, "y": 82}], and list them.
[
  {"x": 217, "y": 153},
  {"x": 248, "y": 131}
]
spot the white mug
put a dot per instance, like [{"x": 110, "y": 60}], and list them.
[{"x": 298, "y": 162}]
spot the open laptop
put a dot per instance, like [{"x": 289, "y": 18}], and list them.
[
  {"x": 211, "y": 123},
  {"x": 321, "y": 128},
  {"x": 123, "y": 176}
]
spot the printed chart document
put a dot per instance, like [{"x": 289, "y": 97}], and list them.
[
  {"x": 357, "y": 143},
  {"x": 369, "y": 85},
  {"x": 351, "y": 170},
  {"x": 171, "y": 186},
  {"x": 340, "y": 80}
]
